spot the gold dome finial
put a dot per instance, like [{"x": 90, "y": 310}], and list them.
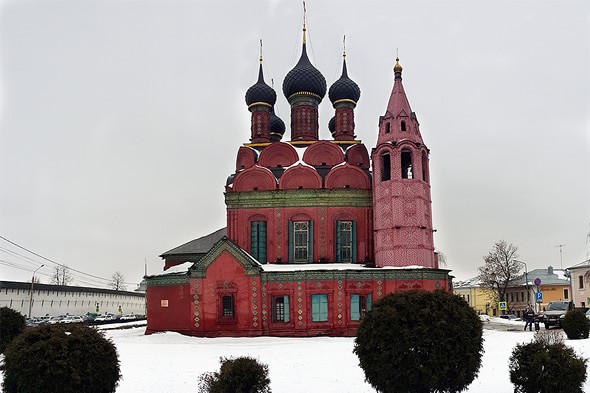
[
  {"x": 261, "y": 51},
  {"x": 397, "y": 67},
  {"x": 304, "y": 27}
]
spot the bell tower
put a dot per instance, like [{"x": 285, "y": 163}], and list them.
[{"x": 402, "y": 218}]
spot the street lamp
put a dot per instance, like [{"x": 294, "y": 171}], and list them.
[
  {"x": 526, "y": 277},
  {"x": 31, "y": 294}
]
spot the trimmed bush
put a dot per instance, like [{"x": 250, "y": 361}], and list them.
[
  {"x": 12, "y": 323},
  {"x": 575, "y": 325},
  {"x": 239, "y": 375},
  {"x": 61, "y": 358},
  {"x": 420, "y": 341},
  {"x": 546, "y": 366}
]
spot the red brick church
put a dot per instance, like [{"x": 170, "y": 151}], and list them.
[{"x": 316, "y": 230}]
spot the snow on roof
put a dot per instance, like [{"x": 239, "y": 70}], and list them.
[
  {"x": 176, "y": 269},
  {"x": 294, "y": 267}
]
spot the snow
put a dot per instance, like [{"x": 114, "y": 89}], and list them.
[
  {"x": 291, "y": 267},
  {"x": 170, "y": 362}
]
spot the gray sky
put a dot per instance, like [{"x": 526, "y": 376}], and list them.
[{"x": 120, "y": 120}]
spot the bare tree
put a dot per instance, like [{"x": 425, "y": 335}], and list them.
[
  {"x": 118, "y": 282},
  {"x": 500, "y": 269},
  {"x": 61, "y": 275}
]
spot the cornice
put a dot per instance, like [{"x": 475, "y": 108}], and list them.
[{"x": 299, "y": 198}]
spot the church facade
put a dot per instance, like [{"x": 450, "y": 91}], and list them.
[{"x": 317, "y": 230}]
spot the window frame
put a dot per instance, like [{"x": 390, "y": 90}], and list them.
[
  {"x": 293, "y": 238},
  {"x": 357, "y": 300},
  {"x": 320, "y": 310},
  {"x": 349, "y": 245},
  {"x": 285, "y": 317},
  {"x": 259, "y": 240}
]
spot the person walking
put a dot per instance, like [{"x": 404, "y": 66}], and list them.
[{"x": 529, "y": 316}]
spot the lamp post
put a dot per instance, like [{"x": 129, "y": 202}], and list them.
[
  {"x": 526, "y": 277},
  {"x": 31, "y": 294}
]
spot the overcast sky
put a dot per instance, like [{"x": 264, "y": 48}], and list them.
[{"x": 120, "y": 120}]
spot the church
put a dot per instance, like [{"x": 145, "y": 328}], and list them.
[{"x": 317, "y": 230}]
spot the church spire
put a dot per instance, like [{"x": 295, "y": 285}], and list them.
[{"x": 399, "y": 122}]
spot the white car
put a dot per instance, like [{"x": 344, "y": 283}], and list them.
[{"x": 73, "y": 319}]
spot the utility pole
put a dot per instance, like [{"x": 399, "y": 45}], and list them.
[
  {"x": 560, "y": 255},
  {"x": 31, "y": 294}
]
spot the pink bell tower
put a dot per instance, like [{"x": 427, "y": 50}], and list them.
[{"x": 402, "y": 218}]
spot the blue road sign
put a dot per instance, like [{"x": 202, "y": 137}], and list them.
[{"x": 539, "y": 296}]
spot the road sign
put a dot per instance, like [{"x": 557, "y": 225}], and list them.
[
  {"x": 539, "y": 296},
  {"x": 502, "y": 306},
  {"x": 537, "y": 281}
]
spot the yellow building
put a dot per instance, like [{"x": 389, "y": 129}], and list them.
[
  {"x": 554, "y": 284},
  {"x": 480, "y": 299}
]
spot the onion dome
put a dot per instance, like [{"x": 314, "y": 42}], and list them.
[
  {"x": 304, "y": 78},
  {"x": 344, "y": 88},
  {"x": 277, "y": 127},
  {"x": 332, "y": 124},
  {"x": 260, "y": 93}
]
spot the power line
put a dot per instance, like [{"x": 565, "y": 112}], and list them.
[{"x": 107, "y": 281}]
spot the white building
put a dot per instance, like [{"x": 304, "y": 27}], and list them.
[
  {"x": 580, "y": 280},
  {"x": 53, "y": 300}
]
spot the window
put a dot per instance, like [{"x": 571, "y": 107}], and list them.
[
  {"x": 406, "y": 164},
  {"x": 403, "y": 125},
  {"x": 300, "y": 241},
  {"x": 385, "y": 167},
  {"x": 345, "y": 241},
  {"x": 280, "y": 309},
  {"x": 566, "y": 294},
  {"x": 387, "y": 128},
  {"x": 359, "y": 305},
  {"x": 424, "y": 167},
  {"x": 227, "y": 306},
  {"x": 258, "y": 240},
  {"x": 581, "y": 282},
  {"x": 319, "y": 308}
]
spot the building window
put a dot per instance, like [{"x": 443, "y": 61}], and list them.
[
  {"x": 301, "y": 241},
  {"x": 581, "y": 282},
  {"x": 319, "y": 308},
  {"x": 403, "y": 125},
  {"x": 280, "y": 309},
  {"x": 346, "y": 241},
  {"x": 258, "y": 240},
  {"x": 385, "y": 167},
  {"x": 424, "y": 167},
  {"x": 359, "y": 305},
  {"x": 406, "y": 164},
  {"x": 566, "y": 294},
  {"x": 387, "y": 128},
  {"x": 227, "y": 306}
]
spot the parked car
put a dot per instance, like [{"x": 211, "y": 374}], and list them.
[
  {"x": 73, "y": 319},
  {"x": 56, "y": 319},
  {"x": 510, "y": 317},
  {"x": 104, "y": 318},
  {"x": 555, "y": 312},
  {"x": 128, "y": 317}
]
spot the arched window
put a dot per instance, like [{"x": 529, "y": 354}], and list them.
[
  {"x": 406, "y": 164},
  {"x": 346, "y": 241},
  {"x": 385, "y": 167},
  {"x": 258, "y": 240},
  {"x": 425, "y": 167}
]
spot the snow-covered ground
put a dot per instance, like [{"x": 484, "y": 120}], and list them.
[{"x": 170, "y": 362}]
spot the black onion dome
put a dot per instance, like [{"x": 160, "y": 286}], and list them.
[
  {"x": 304, "y": 78},
  {"x": 344, "y": 88},
  {"x": 261, "y": 92},
  {"x": 277, "y": 126},
  {"x": 332, "y": 124}
]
